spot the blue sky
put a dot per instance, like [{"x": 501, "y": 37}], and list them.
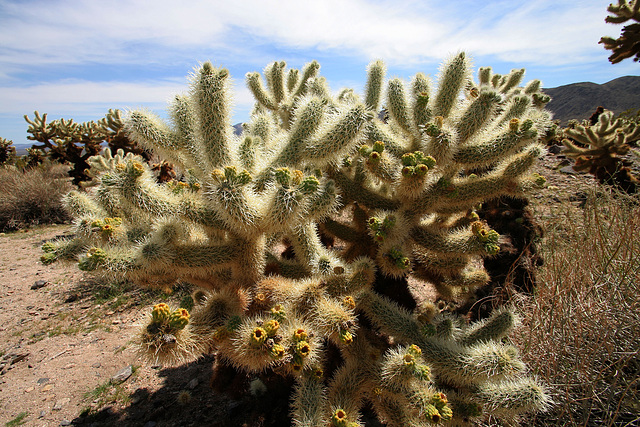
[{"x": 77, "y": 59}]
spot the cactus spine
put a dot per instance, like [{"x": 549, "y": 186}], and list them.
[{"x": 399, "y": 197}]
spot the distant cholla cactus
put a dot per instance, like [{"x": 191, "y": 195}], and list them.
[
  {"x": 397, "y": 199},
  {"x": 67, "y": 141},
  {"x": 7, "y": 151},
  {"x": 628, "y": 44},
  {"x": 597, "y": 149}
]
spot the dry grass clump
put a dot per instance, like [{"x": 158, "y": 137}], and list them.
[
  {"x": 581, "y": 332},
  {"x": 32, "y": 196}
]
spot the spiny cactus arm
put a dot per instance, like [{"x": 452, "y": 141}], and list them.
[
  {"x": 476, "y": 240},
  {"x": 337, "y": 136},
  {"x": 309, "y": 402},
  {"x": 324, "y": 202},
  {"x": 494, "y": 328},
  {"x": 463, "y": 366},
  {"x": 356, "y": 191},
  {"x": 461, "y": 194},
  {"x": 335, "y": 319},
  {"x": 274, "y": 74},
  {"x": 454, "y": 75},
  {"x": 439, "y": 139},
  {"x": 63, "y": 249},
  {"x": 344, "y": 232},
  {"x": 80, "y": 204},
  {"x": 309, "y": 71},
  {"x": 393, "y": 410},
  {"x": 457, "y": 365},
  {"x": 255, "y": 85},
  {"x": 427, "y": 263},
  {"x": 515, "y": 108},
  {"x": 508, "y": 82},
  {"x": 421, "y": 93},
  {"x": 384, "y": 167},
  {"x": 349, "y": 385},
  {"x": 398, "y": 105},
  {"x": 462, "y": 284},
  {"x": 292, "y": 199},
  {"x": 212, "y": 99},
  {"x": 376, "y": 72},
  {"x": 186, "y": 133},
  {"x": 516, "y": 136},
  {"x": 392, "y": 319},
  {"x": 513, "y": 396},
  {"x": 477, "y": 114},
  {"x": 150, "y": 132},
  {"x": 113, "y": 259},
  {"x": 228, "y": 193},
  {"x": 309, "y": 250},
  {"x": 376, "y": 131},
  {"x": 306, "y": 118}
]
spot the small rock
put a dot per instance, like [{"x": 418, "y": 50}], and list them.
[
  {"x": 71, "y": 298},
  {"x": 568, "y": 170},
  {"x": 17, "y": 357},
  {"x": 70, "y": 366},
  {"x": 47, "y": 388},
  {"x": 192, "y": 384},
  {"x": 42, "y": 381},
  {"x": 42, "y": 414},
  {"x": 123, "y": 374},
  {"x": 29, "y": 389},
  {"x": 96, "y": 365},
  {"x": 555, "y": 149},
  {"x": 60, "y": 403},
  {"x": 39, "y": 284},
  {"x": 65, "y": 423}
]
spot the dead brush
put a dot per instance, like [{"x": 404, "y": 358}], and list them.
[
  {"x": 32, "y": 196},
  {"x": 581, "y": 332}
]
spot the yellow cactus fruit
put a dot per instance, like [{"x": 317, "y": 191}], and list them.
[
  {"x": 300, "y": 335},
  {"x": 349, "y": 302},
  {"x": 258, "y": 336},
  {"x": 161, "y": 313},
  {"x": 179, "y": 319}
]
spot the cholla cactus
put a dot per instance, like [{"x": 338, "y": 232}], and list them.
[
  {"x": 627, "y": 45},
  {"x": 7, "y": 151},
  {"x": 398, "y": 198},
  {"x": 67, "y": 141},
  {"x": 597, "y": 148}
]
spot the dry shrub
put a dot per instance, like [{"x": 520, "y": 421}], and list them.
[
  {"x": 32, "y": 196},
  {"x": 581, "y": 331}
]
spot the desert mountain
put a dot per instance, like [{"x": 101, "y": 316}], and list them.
[{"x": 580, "y": 100}]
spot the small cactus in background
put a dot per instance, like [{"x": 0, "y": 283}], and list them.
[
  {"x": 7, "y": 151},
  {"x": 597, "y": 149},
  {"x": 628, "y": 44},
  {"x": 66, "y": 141},
  {"x": 398, "y": 200}
]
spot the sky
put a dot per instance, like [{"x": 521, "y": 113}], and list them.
[{"x": 77, "y": 59}]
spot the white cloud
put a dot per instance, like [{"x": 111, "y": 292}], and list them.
[
  {"x": 75, "y": 96},
  {"x": 401, "y": 31}
]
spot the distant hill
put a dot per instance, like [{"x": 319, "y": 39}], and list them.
[{"x": 580, "y": 100}]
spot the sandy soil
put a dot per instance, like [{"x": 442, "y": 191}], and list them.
[{"x": 61, "y": 344}]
